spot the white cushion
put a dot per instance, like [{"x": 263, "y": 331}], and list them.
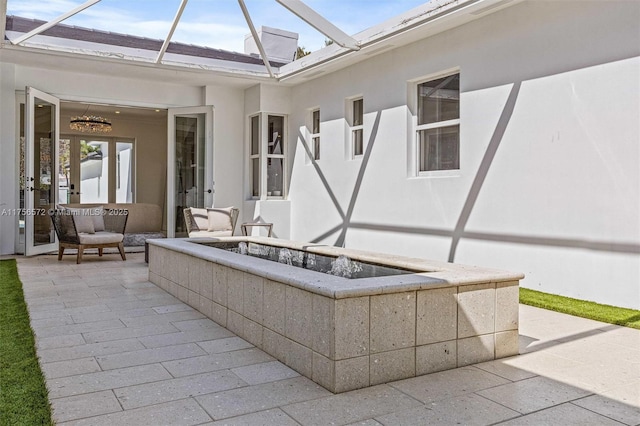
[
  {"x": 97, "y": 214},
  {"x": 204, "y": 234},
  {"x": 219, "y": 219},
  {"x": 84, "y": 224},
  {"x": 102, "y": 237},
  {"x": 200, "y": 218},
  {"x": 87, "y": 220}
]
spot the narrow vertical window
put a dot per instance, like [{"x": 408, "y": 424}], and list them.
[
  {"x": 315, "y": 134},
  {"x": 267, "y": 155},
  {"x": 255, "y": 156},
  {"x": 357, "y": 127},
  {"x": 275, "y": 156},
  {"x": 438, "y": 124}
]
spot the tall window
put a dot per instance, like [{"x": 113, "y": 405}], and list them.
[
  {"x": 267, "y": 155},
  {"x": 275, "y": 156},
  {"x": 357, "y": 128},
  {"x": 255, "y": 156},
  {"x": 438, "y": 124},
  {"x": 315, "y": 133}
]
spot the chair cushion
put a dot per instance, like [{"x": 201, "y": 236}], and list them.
[
  {"x": 204, "y": 234},
  {"x": 200, "y": 218},
  {"x": 97, "y": 214},
  {"x": 102, "y": 237},
  {"x": 84, "y": 224},
  {"x": 87, "y": 220},
  {"x": 219, "y": 219}
]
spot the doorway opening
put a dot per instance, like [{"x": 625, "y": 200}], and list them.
[{"x": 88, "y": 168}]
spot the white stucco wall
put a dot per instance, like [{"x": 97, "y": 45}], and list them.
[
  {"x": 228, "y": 144},
  {"x": 265, "y": 98},
  {"x": 549, "y": 183},
  {"x": 8, "y": 194}
]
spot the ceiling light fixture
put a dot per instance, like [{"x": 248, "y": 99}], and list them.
[{"x": 90, "y": 123}]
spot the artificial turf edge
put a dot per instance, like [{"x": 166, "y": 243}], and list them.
[
  {"x": 581, "y": 308},
  {"x": 23, "y": 392}
]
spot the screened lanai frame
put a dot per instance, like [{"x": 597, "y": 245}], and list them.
[
  {"x": 297, "y": 7},
  {"x": 436, "y": 15}
]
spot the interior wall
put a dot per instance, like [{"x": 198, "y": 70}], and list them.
[{"x": 549, "y": 182}]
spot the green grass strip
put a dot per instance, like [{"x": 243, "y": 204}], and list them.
[
  {"x": 581, "y": 308},
  {"x": 23, "y": 394}
]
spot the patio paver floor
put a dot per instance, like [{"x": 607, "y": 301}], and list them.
[{"x": 117, "y": 350}]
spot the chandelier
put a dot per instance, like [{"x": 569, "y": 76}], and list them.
[{"x": 90, "y": 124}]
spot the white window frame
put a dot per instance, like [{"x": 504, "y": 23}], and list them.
[
  {"x": 354, "y": 129},
  {"x": 314, "y": 134},
  {"x": 263, "y": 155},
  {"x": 417, "y": 128}
]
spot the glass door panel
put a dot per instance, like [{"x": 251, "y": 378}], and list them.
[
  {"x": 41, "y": 170},
  {"x": 65, "y": 193},
  {"x": 94, "y": 171},
  {"x": 190, "y": 168},
  {"x": 124, "y": 172},
  {"x": 20, "y": 245},
  {"x": 97, "y": 170}
]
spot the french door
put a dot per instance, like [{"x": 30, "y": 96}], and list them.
[
  {"x": 96, "y": 169},
  {"x": 190, "y": 164},
  {"x": 41, "y": 177}
]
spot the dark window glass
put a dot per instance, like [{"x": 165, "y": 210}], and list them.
[
  {"x": 439, "y": 100},
  {"x": 357, "y": 112},
  {"x": 357, "y": 142},
  {"x": 439, "y": 148},
  {"x": 255, "y": 135}
]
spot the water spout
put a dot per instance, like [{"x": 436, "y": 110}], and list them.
[
  {"x": 284, "y": 256},
  {"x": 242, "y": 248},
  {"x": 344, "y": 267}
]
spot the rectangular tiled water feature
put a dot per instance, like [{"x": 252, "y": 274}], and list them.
[{"x": 343, "y": 333}]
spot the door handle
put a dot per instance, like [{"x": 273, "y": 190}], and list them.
[{"x": 209, "y": 191}]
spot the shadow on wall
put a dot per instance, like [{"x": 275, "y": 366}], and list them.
[{"x": 458, "y": 232}]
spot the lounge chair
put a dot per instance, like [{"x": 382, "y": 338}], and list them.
[{"x": 89, "y": 228}]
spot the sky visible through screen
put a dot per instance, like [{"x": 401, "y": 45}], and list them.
[{"x": 213, "y": 23}]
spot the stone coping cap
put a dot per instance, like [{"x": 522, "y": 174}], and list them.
[{"x": 429, "y": 274}]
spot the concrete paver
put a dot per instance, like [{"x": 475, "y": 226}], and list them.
[{"x": 117, "y": 350}]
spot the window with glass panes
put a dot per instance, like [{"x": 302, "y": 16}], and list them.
[
  {"x": 275, "y": 155},
  {"x": 267, "y": 155},
  {"x": 438, "y": 124},
  {"x": 255, "y": 156},
  {"x": 357, "y": 127},
  {"x": 315, "y": 133}
]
